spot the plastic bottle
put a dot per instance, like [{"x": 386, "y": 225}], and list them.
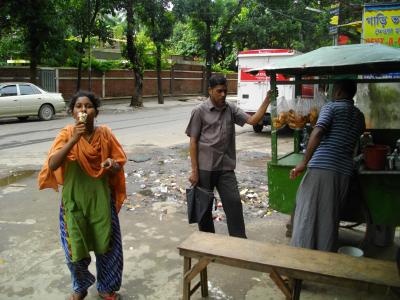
[{"x": 396, "y": 159}]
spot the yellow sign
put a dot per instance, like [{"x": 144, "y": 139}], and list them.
[
  {"x": 381, "y": 24},
  {"x": 334, "y": 20}
]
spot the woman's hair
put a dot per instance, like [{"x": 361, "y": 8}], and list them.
[{"x": 92, "y": 97}]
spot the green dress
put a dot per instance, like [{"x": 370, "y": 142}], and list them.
[{"x": 87, "y": 212}]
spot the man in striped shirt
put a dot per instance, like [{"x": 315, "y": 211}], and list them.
[{"x": 329, "y": 162}]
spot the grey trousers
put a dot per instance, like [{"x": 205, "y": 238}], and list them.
[
  {"x": 316, "y": 219},
  {"x": 226, "y": 184}
]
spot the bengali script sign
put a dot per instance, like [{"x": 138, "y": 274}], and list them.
[{"x": 381, "y": 24}]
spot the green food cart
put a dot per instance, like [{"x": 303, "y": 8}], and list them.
[{"x": 379, "y": 189}]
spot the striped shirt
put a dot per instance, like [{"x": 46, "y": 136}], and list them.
[{"x": 343, "y": 123}]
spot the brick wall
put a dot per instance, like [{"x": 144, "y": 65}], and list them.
[{"x": 180, "y": 80}]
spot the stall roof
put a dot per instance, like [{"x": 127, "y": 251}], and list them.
[{"x": 339, "y": 60}]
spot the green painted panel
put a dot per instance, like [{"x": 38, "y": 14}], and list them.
[
  {"x": 382, "y": 192},
  {"x": 282, "y": 190},
  {"x": 291, "y": 159}
]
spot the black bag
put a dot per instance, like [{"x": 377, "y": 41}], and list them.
[{"x": 198, "y": 200}]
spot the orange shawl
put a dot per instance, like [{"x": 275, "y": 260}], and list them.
[{"x": 89, "y": 156}]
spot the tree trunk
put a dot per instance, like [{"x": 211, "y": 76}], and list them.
[
  {"x": 208, "y": 54},
  {"x": 159, "y": 80},
  {"x": 33, "y": 70},
  {"x": 79, "y": 75},
  {"x": 136, "y": 99},
  {"x": 34, "y": 55}
]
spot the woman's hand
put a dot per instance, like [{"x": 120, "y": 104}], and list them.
[
  {"x": 110, "y": 164},
  {"x": 78, "y": 132}
]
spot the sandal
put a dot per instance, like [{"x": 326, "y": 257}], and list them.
[
  {"x": 78, "y": 296},
  {"x": 109, "y": 296}
]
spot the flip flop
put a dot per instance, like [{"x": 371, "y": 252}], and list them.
[
  {"x": 109, "y": 296},
  {"x": 78, "y": 296}
]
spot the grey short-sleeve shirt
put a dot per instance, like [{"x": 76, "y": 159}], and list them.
[{"x": 215, "y": 130}]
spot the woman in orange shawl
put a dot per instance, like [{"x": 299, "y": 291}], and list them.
[{"x": 87, "y": 160}]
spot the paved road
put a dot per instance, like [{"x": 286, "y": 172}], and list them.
[{"x": 24, "y": 145}]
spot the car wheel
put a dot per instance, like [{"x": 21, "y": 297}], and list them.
[
  {"x": 46, "y": 112},
  {"x": 258, "y": 127},
  {"x": 23, "y": 118}
]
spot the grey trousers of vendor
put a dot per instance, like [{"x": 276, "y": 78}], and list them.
[
  {"x": 316, "y": 219},
  {"x": 226, "y": 185}
]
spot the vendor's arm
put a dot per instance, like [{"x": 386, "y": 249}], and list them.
[
  {"x": 256, "y": 118},
  {"x": 193, "y": 149},
  {"x": 57, "y": 159},
  {"x": 313, "y": 143}
]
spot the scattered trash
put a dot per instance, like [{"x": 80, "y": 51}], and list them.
[
  {"x": 17, "y": 185},
  {"x": 163, "y": 189},
  {"x": 163, "y": 214},
  {"x": 252, "y": 195},
  {"x": 163, "y": 177},
  {"x": 218, "y": 218}
]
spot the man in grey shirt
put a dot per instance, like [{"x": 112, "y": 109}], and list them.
[{"x": 213, "y": 153}]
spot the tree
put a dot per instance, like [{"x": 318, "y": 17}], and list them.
[
  {"x": 132, "y": 50},
  {"x": 159, "y": 21},
  {"x": 206, "y": 17},
  {"x": 37, "y": 21},
  {"x": 280, "y": 24},
  {"x": 84, "y": 17}
]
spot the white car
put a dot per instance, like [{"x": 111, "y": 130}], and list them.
[{"x": 23, "y": 99}]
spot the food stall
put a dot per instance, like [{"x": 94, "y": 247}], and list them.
[{"x": 379, "y": 189}]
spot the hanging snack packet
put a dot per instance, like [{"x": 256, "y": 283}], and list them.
[{"x": 282, "y": 113}]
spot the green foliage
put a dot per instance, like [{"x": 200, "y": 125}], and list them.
[
  {"x": 12, "y": 47},
  {"x": 184, "y": 40},
  {"x": 102, "y": 65},
  {"x": 97, "y": 64},
  {"x": 36, "y": 25},
  {"x": 43, "y": 30},
  {"x": 217, "y": 68}
]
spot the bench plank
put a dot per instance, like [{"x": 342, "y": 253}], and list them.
[{"x": 299, "y": 263}]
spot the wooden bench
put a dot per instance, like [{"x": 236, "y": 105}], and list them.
[{"x": 280, "y": 260}]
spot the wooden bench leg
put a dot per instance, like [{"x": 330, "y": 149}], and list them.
[
  {"x": 190, "y": 273},
  {"x": 296, "y": 289},
  {"x": 204, "y": 283},
  {"x": 187, "y": 261},
  {"x": 281, "y": 284}
]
